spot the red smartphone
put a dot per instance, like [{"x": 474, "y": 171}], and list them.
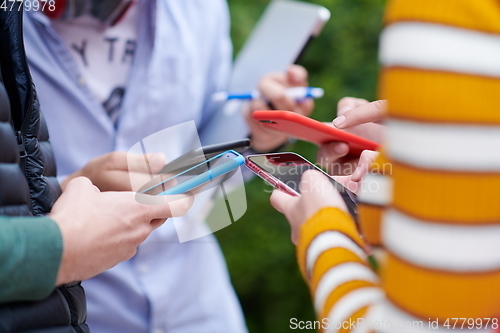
[
  {"x": 284, "y": 171},
  {"x": 311, "y": 130}
]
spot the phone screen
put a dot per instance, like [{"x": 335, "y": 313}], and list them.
[
  {"x": 288, "y": 168},
  {"x": 222, "y": 167}
]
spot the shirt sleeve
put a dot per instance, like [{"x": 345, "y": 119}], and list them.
[
  {"x": 30, "y": 255},
  {"x": 333, "y": 261}
]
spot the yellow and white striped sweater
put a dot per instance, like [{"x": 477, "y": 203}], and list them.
[{"x": 437, "y": 214}]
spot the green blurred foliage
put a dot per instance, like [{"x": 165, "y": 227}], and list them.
[{"x": 259, "y": 254}]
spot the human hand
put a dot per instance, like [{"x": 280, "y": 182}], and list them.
[
  {"x": 352, "y": 182},
  {"x": 273, "y": 88},
  {"x": 111, "y": 172},
  {"x": 99, "y": 230},
  {"x": 356, "y": 116},
  {"x": 316, "y": 192}
]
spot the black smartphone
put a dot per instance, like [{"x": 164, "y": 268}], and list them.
[{"x": 199, "y": 155}]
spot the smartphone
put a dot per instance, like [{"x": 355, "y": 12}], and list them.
[
  {"x": 202, "y": 154},
  {"x": 311, "y": 130},
  {"x": 284, "y": 171},
  {"x": 210, "y": 172}
]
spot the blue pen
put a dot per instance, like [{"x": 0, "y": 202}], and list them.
[{"x": 297, "y": 93}]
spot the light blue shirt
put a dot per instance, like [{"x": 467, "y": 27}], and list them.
[{"x": 183, "y": 56}]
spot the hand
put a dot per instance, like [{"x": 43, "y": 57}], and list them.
[
  {"x": 273, "y": 88},
  {"x": 110, "y": 172},
  {"x": 316, "y": 192},
  {"x": 99, "y": 230},
  {"x": 356, "y": 116},
  {"x": 352, "y": 182}
]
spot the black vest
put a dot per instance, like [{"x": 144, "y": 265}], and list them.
[{"x": 27, "y": 183}]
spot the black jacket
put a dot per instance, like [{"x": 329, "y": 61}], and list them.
[{"x": 27, "y": 183}]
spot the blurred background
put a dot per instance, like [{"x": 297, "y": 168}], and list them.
[{"x": 259, "y": 254}]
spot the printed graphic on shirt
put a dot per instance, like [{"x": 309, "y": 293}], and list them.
[{"x": 104, "y": 56}]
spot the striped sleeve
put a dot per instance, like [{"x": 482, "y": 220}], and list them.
[
  {"x": 332, "y": 259},
  {"x": 441, "y": 76},
  {"x": 438, "y": 217}
]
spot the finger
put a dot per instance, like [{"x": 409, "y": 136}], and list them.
[
  {"x": 365, "y": 161},
  {"x": 343, "y": 180},
  {"x": 146, "y": 163},
  {"x": 117, "y": 180},
  {"x": 156, "y": 161},
  {"x": 281, "y": 201},
  {"x": 256, "y": 104},
  {"x": 305, "y": 107},
  {"x": 348, "y": 183},
  {"x": 347, "y": 103},
  {"x": 81, "y": 184},
  {"x": 314, "y": 182},
  {"x": 332, "y": 157},
  {"x": 275, "y": 92},
  {"x": 372, "y": 112},
  {"x": 155, "y": 224},
  {"x": 331, "y": 152},
  {"x": 255, "y": 125},
  {"x": 297, "y": 76},
  {"x": 318, "y": 192},
  {"x": 180, "y": 206},
  {"x": 119, "y": 160},
  {"x": 164, "y": 206}
]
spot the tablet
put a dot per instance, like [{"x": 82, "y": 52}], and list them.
[
  {"x": 311, "y": 130},
  {"x": 276, "y": 42}
]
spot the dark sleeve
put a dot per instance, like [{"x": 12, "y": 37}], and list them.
[{"x": 30, "y": 255}]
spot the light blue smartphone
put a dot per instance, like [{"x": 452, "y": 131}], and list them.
[{"x": 201, "y": 174}]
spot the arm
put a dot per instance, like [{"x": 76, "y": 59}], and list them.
[
  {"x": 87, "y": 233},
  {"x": 330, "y": 252},
  {"x": 30, "y": 253},
  {"x": 333, "y": 262}
]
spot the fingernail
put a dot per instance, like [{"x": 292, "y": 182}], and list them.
[{"x": 339, "y": 121}]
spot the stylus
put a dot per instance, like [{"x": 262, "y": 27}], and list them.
[{"x": 297, "y": 93}]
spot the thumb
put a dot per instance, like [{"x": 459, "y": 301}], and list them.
[
  {"x": 280, "y": 201},
  {"x": 371, "y": 112},
  {"x": 165, "y": 206},
  {"x": 314, "y": 182},
  {"x": 297, "y": 76}
]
